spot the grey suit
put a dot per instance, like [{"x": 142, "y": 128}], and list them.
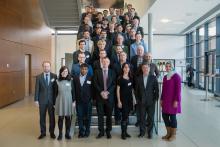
[
  {"x": 146, "y": 99},
  {"x": 45, "y": 95}
]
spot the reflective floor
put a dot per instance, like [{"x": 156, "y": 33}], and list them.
[{"x": 198, "y": 126}]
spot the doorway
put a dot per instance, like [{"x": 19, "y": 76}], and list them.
[{"x": 27, "y": 74}]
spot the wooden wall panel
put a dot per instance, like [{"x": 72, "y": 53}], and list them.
[{"x": 22, "y": 31}]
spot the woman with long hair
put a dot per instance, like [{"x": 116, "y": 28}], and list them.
[
  {"x": 124, "y": 97},
  {"x": 65, "y": 101}
]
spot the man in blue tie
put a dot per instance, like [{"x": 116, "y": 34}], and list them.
[{"x": 45, "y": 98}]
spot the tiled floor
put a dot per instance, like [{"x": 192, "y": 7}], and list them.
[{"x": 198, "y": 126}]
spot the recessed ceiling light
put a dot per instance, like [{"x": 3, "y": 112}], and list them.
[{"x": 165, "y": 20}]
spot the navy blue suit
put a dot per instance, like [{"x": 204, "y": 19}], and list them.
[{"x": 83, "y": 96}]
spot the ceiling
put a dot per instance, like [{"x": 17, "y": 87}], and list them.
[
  {"x": 177, "y": 15},
  {"x": 61, "y": 13}
]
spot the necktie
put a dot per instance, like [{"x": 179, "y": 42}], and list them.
[
  {"x": 105, "y": 77},
  {"x": 47, "y": 79}
]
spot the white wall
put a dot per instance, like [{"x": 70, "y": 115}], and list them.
[
  {"x": 168, "y": 47},
  {"x": 65, "y": 44}
]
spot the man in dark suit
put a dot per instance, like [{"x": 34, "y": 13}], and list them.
[
  {"x": 83, "y": 93},
  {"x": 104, "y": 83},
  {"x": 147, "y": 93},
  {"x": 45, "y": 98}
]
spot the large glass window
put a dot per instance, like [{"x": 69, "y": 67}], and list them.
[
  {"x": 201, "y": 33},
  {"x": 212, "y": 28}
]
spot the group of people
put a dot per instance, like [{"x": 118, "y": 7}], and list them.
[{"x": 113, "y": 70}]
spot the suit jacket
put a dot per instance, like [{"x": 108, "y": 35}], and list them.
[
  {"x": 99, "y": 85},
  {"x": 136, "y": 69},
  {"x": 83, "y": 94},
  {"x": 96, "y": 65},
  {"x": 44, "y": 93},
  {"x": 149, "y": 95}
]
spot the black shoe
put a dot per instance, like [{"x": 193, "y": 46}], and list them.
[
  {"x": 52, "y": 135},
  {"x": 141, "y": 135},
  {"x": 108, "y": 134},
  {"x": 42, "y": 136},
  {"x": 59, "y": 137},
  {"x": 127, "y": 135},
  {"x": 67, "y": 136},
  {"x": 149, "y": 136},
  {"x": 80, "y": 136},
  {"x": 100, "y": 135},
  {"x": 86, "y": 135},
  {"x": 123, "y": 136},
  {"x": 137, "y": 124}
]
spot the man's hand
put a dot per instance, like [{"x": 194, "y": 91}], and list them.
[{"x": 36, "y": 103}]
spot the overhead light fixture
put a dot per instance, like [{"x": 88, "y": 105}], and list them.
[
  {"x": 165, "y": 20},
  {"x": 67, "y": 32}
]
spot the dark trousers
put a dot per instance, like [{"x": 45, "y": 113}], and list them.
[
  {"x": 104, "y": 108},
  {"x": 117, "y": 112},
  {"x": 125, "y": 114},
  {"x": 149, "y": 111},
  {"x": 170, "y": 120},
  {"x": 84, "y": 111},
  {"x": 67, "y": 124},
  {"x": 43, "y": 109}
]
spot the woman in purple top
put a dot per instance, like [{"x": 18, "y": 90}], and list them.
[{"x": 170, "y": 101}]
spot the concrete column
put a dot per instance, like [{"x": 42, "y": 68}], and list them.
[
  {"x": 150, "y": 32},
  {"x": 56, "y": 51}
]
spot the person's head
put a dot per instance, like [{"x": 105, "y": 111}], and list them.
[
  {"x": 129, "y": 6},
  {"x": 81, "y": 58},
  {"x": 84, "y": 69},
  {"x": 111, "y": 11},
  {"x": 132, "y": 32},
  {"x": 101, "y": 44},
  {"x": 121, "y": 11},
  {"x": 64, "y": 73},
  {"x": 111, "y": 26},
  {"x": 114, "y": 19},
  {"x": 123, "y": 57},
  {"x": 140, "y": 50},
  {"x": 105, "y": 13},
  {"x": 136, "y": 21},
  {"x": 126, "y": 69},
  {"x": 86, "y": 34},
  {"x": 120, "y": 39},
  {"x": 118, "y": 49},
  {"x": 103, "y": 34},
  {"x": 105, "y": 21},
  {"x": 145, "y": 68},
  {"x": 46, "y": 66},
  {"x": 105, "y": 62},
  {"x": 99, "y": 16},
  {"x": 82, "y": 44},
  {"x": 148, "y": 57},
  {"x": 98, "y": 30},
  {"x": 86, "y": 19},
  {"x": 119, "y": 28},
  {"x": 128, "y": 28},
  {"x": 138, "y": 37},
  {"x": 102, "y": 54},
  {"x": 168, "y": 67},
  {"x": 117, "y": 12},
  {"x": 88, "y": 9}
]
